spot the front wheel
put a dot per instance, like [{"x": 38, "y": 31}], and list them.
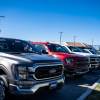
[{"x": 2, "y": 90}]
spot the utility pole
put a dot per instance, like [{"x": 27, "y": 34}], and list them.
[
  {"x": 2, "y": 16},
  {"x": 60, "y": 37},
  {"x": 92, "y": 42},
  {"x": 0, "y": 19},
  {"x": 74, "y": 39}
]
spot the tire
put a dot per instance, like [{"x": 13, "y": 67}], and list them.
[{"x": 2, "y": 90}]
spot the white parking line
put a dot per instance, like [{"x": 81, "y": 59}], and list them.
[{"x": 88, "y": 91}]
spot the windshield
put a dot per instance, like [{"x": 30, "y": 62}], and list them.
[
  {"x": 57, "y": 48},
  {"x": 14, "y": 45},
  {"x": 93, "y": 51},
  {"x": 87, "y": 50},
  {"x": 75, "y": 49}
]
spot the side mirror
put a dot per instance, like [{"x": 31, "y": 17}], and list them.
[{"x": 44, "y": 52}]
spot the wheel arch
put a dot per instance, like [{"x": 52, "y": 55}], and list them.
[{"x": 4, "y": 74}]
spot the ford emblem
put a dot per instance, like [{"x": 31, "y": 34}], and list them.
[{"x": 52, "y": 71}]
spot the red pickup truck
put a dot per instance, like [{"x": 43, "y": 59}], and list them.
[{"x": 73, "y": 64}]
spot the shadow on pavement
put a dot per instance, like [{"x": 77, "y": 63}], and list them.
[
  {"x": 71, "y": 91},
  {"x": 88, "y": 80},
  {"x": 67, "y": 93},
  {"x": 95, "y": 95}
]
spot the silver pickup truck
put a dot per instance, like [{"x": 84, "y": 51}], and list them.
[{"x": 23, "y": 71}]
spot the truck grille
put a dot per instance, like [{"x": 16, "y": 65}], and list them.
[
  {"x": 45, "y": 72},
  {"x": 82, "y": 65},
  {"x": 82, "y": 70},
  {"x": 94, "y": 61},
  {"x": 82, "y": 61}
]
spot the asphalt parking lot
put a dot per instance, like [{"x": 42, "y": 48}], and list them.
[{"x": 72, "y": 89}]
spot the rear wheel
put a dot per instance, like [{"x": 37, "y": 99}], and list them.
[{"x": 2, "y": 90}]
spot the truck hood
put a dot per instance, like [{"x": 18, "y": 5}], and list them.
[
  {"x": 28, "y": 58},
  {"x": 85, "y": 54},
  {"x": 65, "y": 55}
]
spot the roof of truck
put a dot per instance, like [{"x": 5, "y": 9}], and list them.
[
  {"x": 4, "y": 38},
  {"x": 45, "y": 43}
]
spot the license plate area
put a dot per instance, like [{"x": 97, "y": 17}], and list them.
[{"x": 53, "y": 85}]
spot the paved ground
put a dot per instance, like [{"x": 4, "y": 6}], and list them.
[{"x": 72, "y": 89}]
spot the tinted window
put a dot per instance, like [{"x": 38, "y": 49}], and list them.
[
  {"x": 93, "y": 51},
  {"x": 12, "y": 45},
  {"x": 57, "y": 48},
  {"x": 86, "y": 50},
  {"x": 39, "y": 47},
  {"x": 75, "y": 49}
]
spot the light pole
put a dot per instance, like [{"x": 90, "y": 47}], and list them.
[
  {"x": 0, "y": 19},
  {"x": 60, "y": 37},
  {"x": 74, "y": 39},
  {"x": 2, "y": 16},
  {"x": 92, "y": 42}
]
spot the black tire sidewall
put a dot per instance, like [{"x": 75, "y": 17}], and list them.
[{"x": 2, "y": 90}]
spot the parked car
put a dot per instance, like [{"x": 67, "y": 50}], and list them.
[
  {"x": 22, "y": 71},
  {"x": 94, "y": 59},
  {"x": 74, "y": 64}
]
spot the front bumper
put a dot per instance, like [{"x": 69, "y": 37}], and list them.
[
  {"x": 94, "y": 62},
  {"x": 15, "y": 89},
  {"x": 76, "y": 70},
  {"x": 94, "y": 66}
]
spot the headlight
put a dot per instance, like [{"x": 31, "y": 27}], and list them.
[
  {"x": 24, "y": 72},
  {"x": 69, "y": 60}
]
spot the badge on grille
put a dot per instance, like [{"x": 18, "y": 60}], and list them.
[{"x": 52, "y": 71}]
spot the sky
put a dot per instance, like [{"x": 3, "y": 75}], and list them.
[{"x": 42, "y": 20}]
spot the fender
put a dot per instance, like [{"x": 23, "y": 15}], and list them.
[
  {"x": 4, "y": 80},
  {"x": 3, "y": 75}
]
